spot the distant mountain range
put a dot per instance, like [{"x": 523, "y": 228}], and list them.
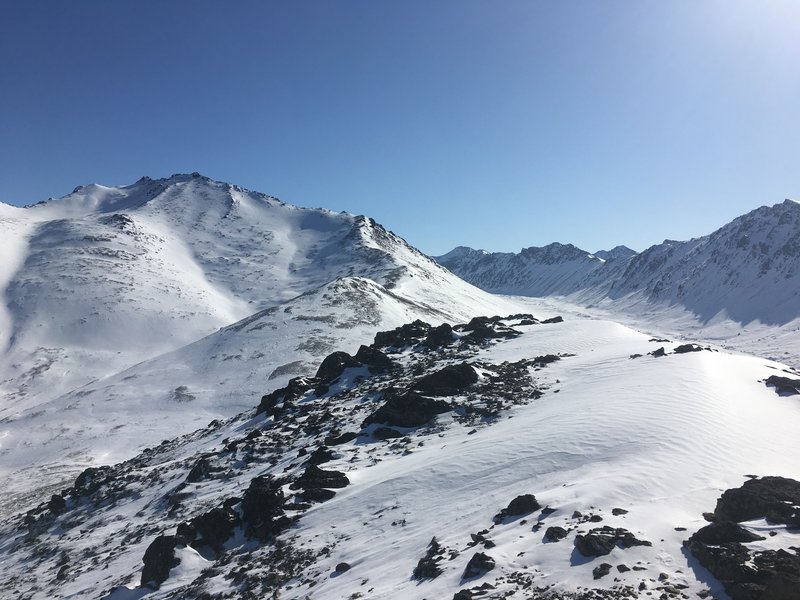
[{"x": 748, "y": 270}]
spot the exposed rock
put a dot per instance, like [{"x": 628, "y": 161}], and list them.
[
  {"x": 407, "y": 410},
  {"x": 343, "y": 438},
  {"x": 784, "y": 386},
  {"x": 440, "y": 336},
  {"x": 775, "y": 498},
  {"x": 159, "y": 558},
  {"x": 296, "y": 387},
  {"x": 448, "y": 381},
  {"x": 658, "y": 352},
  {"x": 57, "y": 504},
  {"x": 541, "y": 361},
  {"x": 553, "y": 320},
  {"x": 342, "y": 567},
  {"x": 601, "y": 570},
  {"x": 618, "y": 512},
  {"x": 373, "y": 358},
  {"x": 478, "y": 565},
  {"x": 521, "y": 505},
  {"x": 212, "y": 528},
  {"x": 386, "y": 433},
  {"x": 314, "y": 477},
  {"x": 555, "y": 533},
  {"x": 201, "y": 471},
  {"x": 321, "y": 454},
  {"x": 428, "y": 565},
  {"x": 720, "y": 532},
  {"x": 405, "y": 335},
  {"x": 262, "y": 507},
  {"x": 602, "y": 540},
  {"x": 684, "y": 348},
  {"x": 334, "y": 365}
]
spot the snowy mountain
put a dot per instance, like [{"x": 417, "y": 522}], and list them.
[
  {"x": 108, "y": 279},
  {"x": 501, "y": 458},
  {"x": 616, "y": 253},
  {"x": 743, "y": 278}
]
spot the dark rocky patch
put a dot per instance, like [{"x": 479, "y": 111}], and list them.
[
  {"x": 601, "y": 570},
  {"x": 602, "y": 540},
  {"x": 159, "y": 559},
  {"x": 211, "y": 529},
  {"x": 541, "y": 361},
  {"x": 342, "y": 438},
  {"x": 406, "y": 410},
  {"x": 342, "y": 567},
  {"x": 618, "y": 512},
  {"x": 334, "y": 365},
  {"x": 449, "y": 381},
  {"x": 784, "y": 386},
  {"x": 439, "y": 337},
  {"x": 555, "y": 533},
  {"x": 403, "y": 336},
  {"x": 658, "y": 352},
  {"x": 684, "y": 348},
  {"x": 386, "y": 433},
  {"x": 553, "y": 320},
  {"x": 478, "y": 566},
  {"x": 721, "y": 532},
  {"x": 57, "y": 504},
  {"x": 296, "y": 388},
  {"x": 521, "y": 505},
  {"x": 262, "y": 508},
  {"x": 428, "y": 566},
  {"x": 377, "y": 361},
  {"x": 775, "y": 498}
]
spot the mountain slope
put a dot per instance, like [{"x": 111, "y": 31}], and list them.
[
  {"x": 280, "y": 503},
  {"x": 139, "y": 312},
  {"x": 741, "y": 280}
]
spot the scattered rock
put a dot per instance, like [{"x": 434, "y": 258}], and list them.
[
  {"x": 405, "y": 335},
  {"x": 406, "y": 410},
  {"x": 386, "y": 433},
  {"x": 439, "y": 337},
  {"x": 334, "y": 365},
  {"x": 478, "y": 565},
  {"x": 555, "y": 534},
  {"x": 553, "y": 320},
  {"x": 449, "y": 381},
  {"x": 541, "y": 361},
  {"x": 159, "y": 559},
  {"x": 684, "y": 348},
  {"x": 601, "y": 541},
  {"x": 521, "y": 505},
  {"x": 377, "y": 361},
  {"x": 343, "y": 438},
  {"x": 658, "y": 352},
  {"x": 601, "y": 570}
]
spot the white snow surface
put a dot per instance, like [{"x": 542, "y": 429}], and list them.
[{"x": 658, "y": 437}]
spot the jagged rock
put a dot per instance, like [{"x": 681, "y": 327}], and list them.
[
  {"x": 554, "y": 320},
  {"x": 57, "y": 504},
  {"x": 601, "y": 570},
  {"x": 448, "y": 381},
  {"x": 407, "y": 410},
  {"x": 784, "y": 386},
  {"x": 296, "y": 387},
  {"x": 322, "y": 454},
  {"x": 213, "y": 528},
  {"x": 428, "y": 567},
  {"x": 314, "y": 477},
  {"x": 405, "y": 335},
  {"x": 334, "y": 365},
  {"x": 602, "y": 540},
  {"x": 541, "y": 361},
  {"x": 720, "y": 532},
  {"x": 555, "y": 533},
  {"x": 343, "y": 438},
  {"x": 775, "y": 498},
  {"x": 439, "y": 337},
  {"x": 658, "y": 352},
  {"x": 262, "y": 507},
  {"x": 373, "y": 358},
  {"x": 386, "y": 433},
  {"x": 521, "y": 505},
  {"x": 684, "y": 348},
  {"x": 478, "y": 565},
  {"x": 159, "y": 558},
  {"x": 462, "y": 595},
  {"x": 486, "y": 328},
  {"x": 91, "y": 479},
  {"x": 201, "y": 471}
]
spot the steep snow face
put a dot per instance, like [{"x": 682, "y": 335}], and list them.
[{"x": 646, "y": 444}]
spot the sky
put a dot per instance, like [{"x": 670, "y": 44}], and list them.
[{"x": 496, "y": 125}]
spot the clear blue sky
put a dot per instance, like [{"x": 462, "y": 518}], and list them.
[{"x": 491, "y": 124}]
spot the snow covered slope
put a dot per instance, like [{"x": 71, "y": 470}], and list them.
[
  {"x": 512, "y": 450},
  {"x": 743, "y": 279},
  {"x": 109, "y": 280}
]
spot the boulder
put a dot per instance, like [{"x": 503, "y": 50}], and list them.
[
  {"x": 439, "y": 337},
  {"x": 684, "y": 348},
  {"x": 449, "y": 381},
  {"x": 602, "y": 540},
  {"x": 775, "y": 498},
  {"x": 601, "y": 570},
  {"x": 521, "y": 505},
  {"x": 159, "y": 559},
  {"x": 334, "y": 365},
  {"x": 478, "y": 565},
  {"x": 405, "y": 335},
  {"x": 262, "y": 507},
  {"x": 784, "y": 386},
  {"x": 377, "y": 361},
  {"x": 554, "y": 320},
  {"x": 406, "y": 410},
  {"x": 720, "y": 532},
  {"x": 555, "y": 534}
]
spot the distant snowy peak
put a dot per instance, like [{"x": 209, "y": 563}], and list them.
[
  {"x": 747, "y": 270},
  {"x": 616, "y": 253}
]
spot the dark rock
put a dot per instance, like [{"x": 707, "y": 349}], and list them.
[
  {"x": 342, "y": 567},
  {"x": 316, "y": 495},
  {"x": 428, "y": 565},
  {"x": 214, "y": 528},
  {"x": 334, "y": 365},
  {"x": 373, "y": 358},
  {"x": 159, "y": 558},
  {"x": 720, "y": 532},
  {"x": 201, "y": 471},
  {"x": 486, "y": 328},
  {"x": 541, "y": 361},
  {"x": 618, "y": 511},
  {"x": 684, "y": 348},
  {"x": 658, "y": 352},
  {"x": 296, "y": 387},
  {"x": 521, "y": 505},
  {"x": 440, "y": 336},
  {"x": 478, "y": 565},
  {"x": 602, "y": 540},
  {"x": 314, "y": 477},
  {"x": 406, "y": 335},
  {"x": 448, "y": 381},
  {"x": 91, "y": 480},
  {"x": 462, "y": 595},
  {"x": 601, "y": 570},
  {"x": 321, "y": 454},
  {"x": 555, "y": 534},
  {"x": 262, "y": 507},
  {"x": 623, "y": 568},
  {"x": 386, "y": 433},
  {"x": 784, "y": 386},
  {"x": 343, "y": 438},
  {"x": 775, "y": 498},
  {"x": 57, "y": 504},
  {"x": 406, "y": 410},
  {"x": 553, "y": 320}
]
